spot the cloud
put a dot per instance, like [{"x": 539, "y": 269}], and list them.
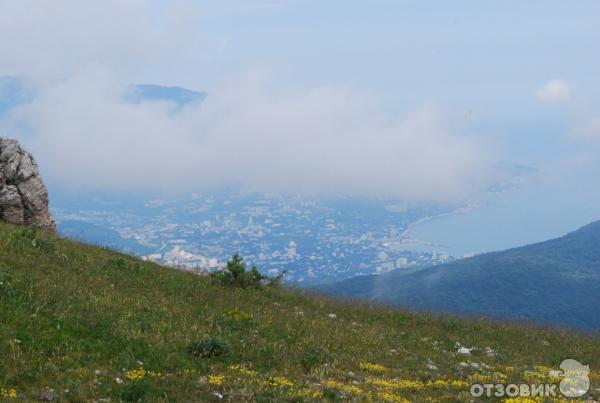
[
  {"x": 53, "y": 39},
  {"x": 82, "y": 55},
  {"x": 322, "y": 140},
  {"x": 588, "y": 130},
  {"x": 554, "y": 91}
]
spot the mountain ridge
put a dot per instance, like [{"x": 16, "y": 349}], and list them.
[{"x": 550, "y": 282}]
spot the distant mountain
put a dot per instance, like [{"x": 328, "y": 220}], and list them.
[
  {"x": 151, "y": 92},
  {"x": 553, "y": 282},
  {"x": 15, "y": 91}
]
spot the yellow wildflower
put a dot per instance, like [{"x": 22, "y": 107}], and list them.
[
  {"x": 238, "y": 315},
  {"x": 135, "y": 374},
  {"x": 216, "y": 379},
  {"x": 368, "y": 366},
  {"x": 283, "y": 381},
  {"x": 307, "y": 392},
  {"x": 391, "y": 397},
  {"x": 351, "y": 389},
  {"x": 459, "y": 384},
  {"x": 381, "y": 382},
  {"x": 399, "y": 383},
  {"x": 409, "y": 384},
  {"x": 242, "y": 370},
  {"x": 10, "y": 393},
  {"x": 276, "y": 382}
]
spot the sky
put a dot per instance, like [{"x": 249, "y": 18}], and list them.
[{"x": 412, "y": 99}]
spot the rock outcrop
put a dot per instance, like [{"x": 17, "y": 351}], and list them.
[{"x": 23, "y": 196}]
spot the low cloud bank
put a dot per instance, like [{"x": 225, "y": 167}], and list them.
[{"x": 323, "y": 141}]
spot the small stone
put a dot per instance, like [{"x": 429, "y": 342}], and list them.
[
  {"x": 464, "y": 351},
  {"x": 332, "y": 316},
  {"x": 489, "y": 352},
  {"x": 463, "y": 364},
  {"x": 47, "y": 394}
]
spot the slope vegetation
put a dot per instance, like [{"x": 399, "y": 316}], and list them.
[{"x": 81, "y": 323}]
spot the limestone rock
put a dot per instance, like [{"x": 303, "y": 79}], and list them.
[{"x": 23, "y": 196}]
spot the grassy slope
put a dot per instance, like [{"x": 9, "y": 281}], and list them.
[{"x": 75, "y": 318}]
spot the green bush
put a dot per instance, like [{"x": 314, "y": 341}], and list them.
[
  {"x": 235, "y": 274},
  {"x": 314, "y": 357},
  {"x": 208, "y": 347},
  {"x": 134, "y": 391},
  {"x": 29, "y": 235},
  {"x": 6, "y": 288}
]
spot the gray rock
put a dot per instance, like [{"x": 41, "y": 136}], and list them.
[
  {"x": 23, "y": 196},
  {"x": 47, "y": 394}
]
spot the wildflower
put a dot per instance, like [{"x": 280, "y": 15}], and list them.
[
  {"x": 459, "y": 384},
  {"x": 216, "y": 379},
  {"x": 409, "y": 384},
  {"x": 381, "y": 382},
  {"x": 119, "y": 380},
  {"x": 136, "y": 374},
  {"x": 10, "y": 393},
  {"x": 306, "y": 392},
  {"x": 242, "y": 370},
  {"x": 391, "y": 397},
  {"x": 350, "y": 389},
  {"x": 523, "y": 400},
  {"x": 238, "y": 315},
  {"x": 218, "y": 395},
  {"x": 283, "y": 381},
  {"x": 332, "y": 316},
  {"x": 367, "y": 366}
]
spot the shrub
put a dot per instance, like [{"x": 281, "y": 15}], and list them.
[
  {"x": 235, "y": 274},
  {"x": 134, "y": 391},
  {"x": 207, "y": 347},
  {"x": 314, "y": 357},
  {"x": 236, "y": 319},
  {"x": 116, "y": 263},
  {"x": 29, "y": 236},
  {"x": 6, "y": 288}
]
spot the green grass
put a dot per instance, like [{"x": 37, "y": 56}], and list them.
[{"x": 92, "y": 324}]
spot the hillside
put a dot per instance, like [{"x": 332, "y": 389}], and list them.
[
  {"x": 554, "y": 282},
  {"x": 91, "y": 324}
]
